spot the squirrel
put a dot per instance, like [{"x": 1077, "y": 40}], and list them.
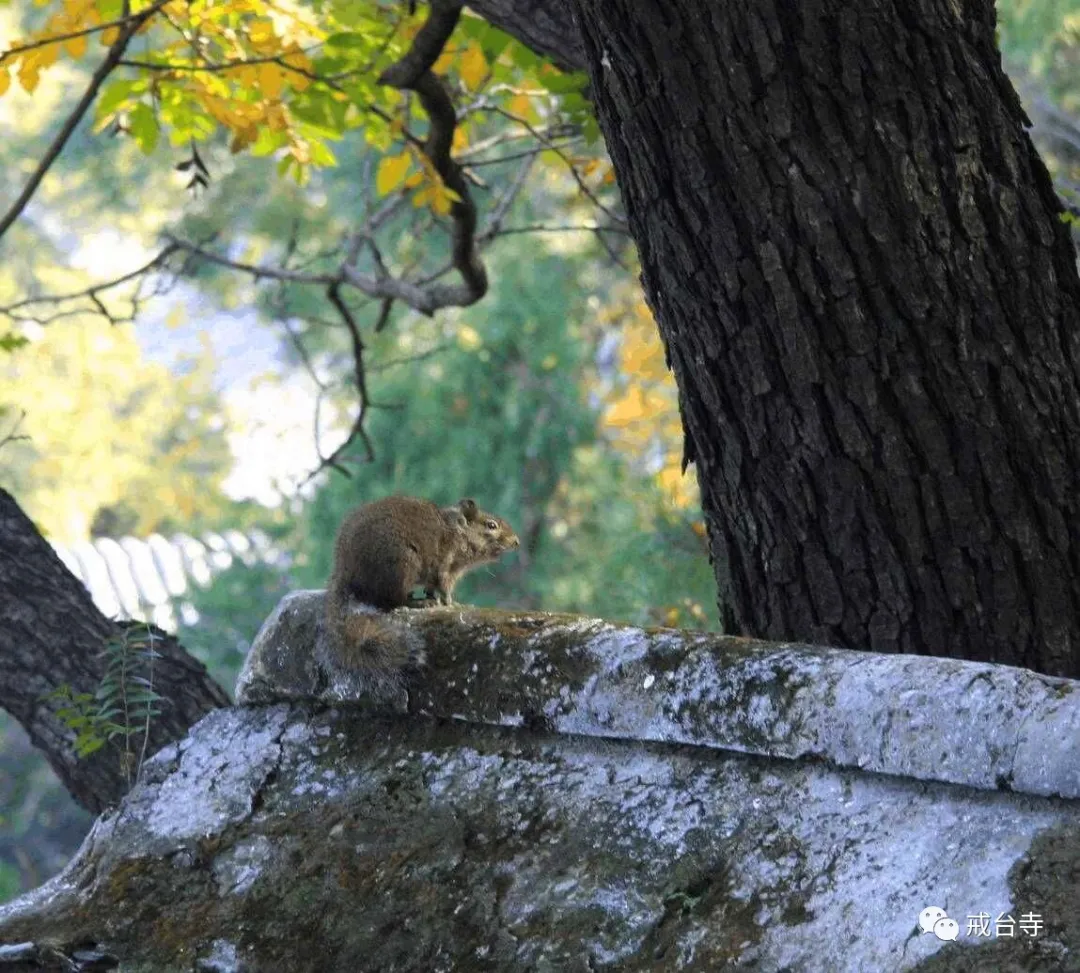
[{"x": 387, "y": 548}]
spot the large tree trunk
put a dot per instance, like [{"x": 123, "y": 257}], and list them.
[
  {"x": 872, "y": 311},
  {"x": 51, "y": 635}
]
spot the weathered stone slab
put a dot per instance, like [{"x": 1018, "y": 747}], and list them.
[
  {"x": 555, "y": 793},
  {"x": 340, "y": 840},
  {"x": 979, "y": 724}
]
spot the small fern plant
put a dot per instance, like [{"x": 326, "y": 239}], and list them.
[{"x": 125, "y": 703}]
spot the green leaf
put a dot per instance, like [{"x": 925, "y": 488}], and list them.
[
  {"x": 348, "y": 42},
  {"x": 492, "y": 40},
  {"x": 325, "y": 114},
  {"x": 268, "y": 142},
  {"x": 12, "y": 341},
  {"x": 88, "y": 746},
  {"x": 114, "y": 95},
  {"x": 321, "y": 155},
  {"x": 285, "y": 164},
  {"x": 563, "y": 83},
  {"x": 525, "y": 58},
  {"x": 144, "y": 127},
  {"x": 351, "y": 14}
]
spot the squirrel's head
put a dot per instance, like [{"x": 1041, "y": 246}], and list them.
[{"x": 489, "y": 535}]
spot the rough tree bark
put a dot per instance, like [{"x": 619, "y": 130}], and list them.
[
  {"x": 50, "y": 635},
  {"x": 872, "y": 311}
]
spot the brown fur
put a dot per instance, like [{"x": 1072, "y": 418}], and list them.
[{"x": 390, "y": 547}]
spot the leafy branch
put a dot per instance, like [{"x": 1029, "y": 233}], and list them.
[{"x": 131, "y": 26}]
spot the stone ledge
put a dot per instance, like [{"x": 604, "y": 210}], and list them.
[{"x": 982, "y": 725}]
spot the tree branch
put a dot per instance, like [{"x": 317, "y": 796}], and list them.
[
  {"x": 92, "y": 293},
  {"x": 413, "y": 73},
  {"x": 333, "y": 293}
]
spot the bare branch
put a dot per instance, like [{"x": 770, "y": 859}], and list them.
[
  {"x": 13, "y": 435},
  {"x": 413, "y": 73},
  {"x": 93, "y": 294},
  {"x": 426, "y": 46},
  {"x": 388, "y": 363},
  {"x": 357, "y": 430},
  {"x": 213, "y": 67},
  {"x": 562, "y": 228},
  {"x": 549, "y": 144},
  {"x": 259, "y": 273},
  {"x": 12, "y": 52},
  {"x": 506, "y": 200},
  {"x": 511, "y": 156}
]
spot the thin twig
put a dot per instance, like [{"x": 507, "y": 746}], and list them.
[
  {"x": 259, "y": 273},
  {"x": 14, "y": 435},
  {"x": 357, "y": 430},
  {"x": 90, "y": 293},
  {"x": 548, "y": 144},
  {"x": 60, "y": 38}
]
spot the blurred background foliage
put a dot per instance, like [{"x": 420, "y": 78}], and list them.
[{"x": 549, "y": 401}]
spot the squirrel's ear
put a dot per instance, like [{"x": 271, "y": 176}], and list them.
[{"x": 468, "y": 508}]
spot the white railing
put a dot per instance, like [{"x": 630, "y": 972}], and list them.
[{"x": 142, "y": 579}]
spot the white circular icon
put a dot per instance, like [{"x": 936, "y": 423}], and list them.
[
  {"x": 930, "y": 915},
  {"x": 946, "y": 929}
]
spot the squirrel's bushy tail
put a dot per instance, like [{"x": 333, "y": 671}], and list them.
[{"x": 363, "y": 640}]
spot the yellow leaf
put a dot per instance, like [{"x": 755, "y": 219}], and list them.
[
  {"x": 521, "y": 106},
  {"x": 242, "y": 138},
  {"x": 76, "y": 46},
  {"x": 109, "y": 36},
  {"x": 277, "y": 117},
  {"x": 263, "y": 37},
  {"x": 628, "y": 410},
  {"x": 461, "y": 140},
  {"x": 440, "y": 200},
  {"x": 271, "y": 81},
  {"x": 391, "y": 173},
  {"x": 5, "y": 80},
  {"x": 296, "y": 58},
  {"x": 445, "y": 61},
  {"x": 246, "y": 74},
  {"x": 473, "y": 67},
  {"x": 29, "y": 74}
]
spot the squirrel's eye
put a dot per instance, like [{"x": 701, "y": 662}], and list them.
[{"x": 491, "y": 525}]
